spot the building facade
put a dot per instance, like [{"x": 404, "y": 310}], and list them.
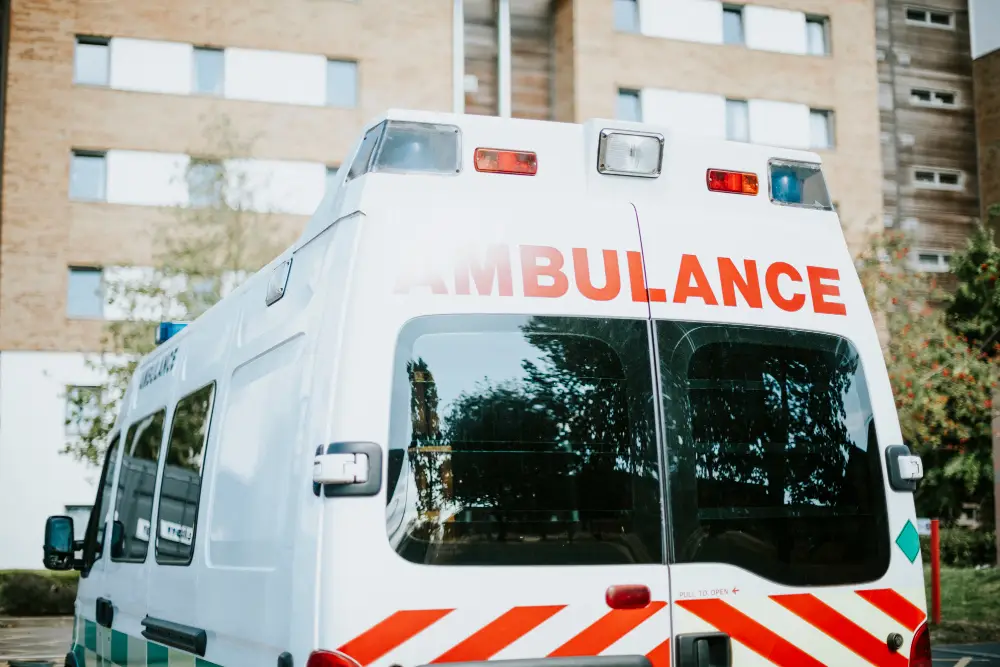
[
  {"x": 106, "y": 100},
  {"x": 984, "y": 19}
]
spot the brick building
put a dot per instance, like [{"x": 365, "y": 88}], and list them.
[{"x": 105, "y": 99}]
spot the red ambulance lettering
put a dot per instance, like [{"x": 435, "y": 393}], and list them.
[
  {"x": 775, "y": 271},
  {"x": 820, "y": 291},
  {"x": 496, "y": 269},
  {"x": 612, "y": 275},
  {"x": 637, "y": 281},
  {"x": 532, "y": 272},
  {"x": 691, "y": 269},
  {"x": 732, "y": 279}
]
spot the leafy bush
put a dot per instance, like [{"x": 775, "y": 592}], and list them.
[
  {"x": 961, "y": 547},
  {"x": 26, "y": 593}
]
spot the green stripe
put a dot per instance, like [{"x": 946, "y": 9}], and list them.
[{"x": 102, "y": 647}]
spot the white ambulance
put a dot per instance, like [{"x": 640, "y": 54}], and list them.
[{"x": 534, "y": 393}]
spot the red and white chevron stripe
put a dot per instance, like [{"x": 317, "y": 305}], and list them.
[{"x": 792, "y": 630}]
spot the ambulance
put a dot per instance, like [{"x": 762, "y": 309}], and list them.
[{"x": 529, "y": 393}]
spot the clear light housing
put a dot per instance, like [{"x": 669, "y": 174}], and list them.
[
  {"x": 419, "y": 147},
  {"x": 630, "y": 153},
  {"x": 798, "y": 184}
]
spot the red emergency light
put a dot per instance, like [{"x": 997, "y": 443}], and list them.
[
  {"x": 498, "y": 161},
  {"x": 737, "y": 182}
]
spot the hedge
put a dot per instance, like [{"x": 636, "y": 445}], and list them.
[
  {"x": 37, "y": 593},
  {"x": 961, "y": 547}
]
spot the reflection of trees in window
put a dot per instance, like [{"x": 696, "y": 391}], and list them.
[
  {"x": 776, "y": 465},
  {"x": 134, "y": 505},
  {"x": 543, "y": 460},
  {"x": 98, "y": 516}
]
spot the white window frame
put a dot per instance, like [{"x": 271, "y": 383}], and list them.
[
  {"x": 940, "y": 265},
  {"x": 926, "y": 22},
  {"x": 933, "y": 103},
  {"x": 936, "y": 184},
  {"x": 824, "y": 21}
]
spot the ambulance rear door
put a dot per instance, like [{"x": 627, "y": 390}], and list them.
[{"x": 786, "y": 545}]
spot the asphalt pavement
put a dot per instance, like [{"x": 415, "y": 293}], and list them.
[{"x": 967, "y": 655}]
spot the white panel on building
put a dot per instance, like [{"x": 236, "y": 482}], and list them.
[
  {"x": 779, "y": 124},
  {"x": 275, "y": 76},
  {"x": 772, "y": 29},
  {"x": 149, "y": 179},
  {"x": 277, "y": 186},
  {"x": 697, "y": 113},
  {"x": 151, "y": 66},
  {"x": 689, "y": 20},
  {"x": 35, "y": 477},
  {"x": 984, "y": 26}
]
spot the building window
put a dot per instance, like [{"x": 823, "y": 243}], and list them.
[
  {"x": 931, "y": 18},
  {"x": 732, "y": 24},
  {"x": 933, "y": 98},
  {"x": 209, "y": 71},
  {"x": 737, "y": 120},
  {"x": 930, "y": 260},
  {"x": 820, "y": 128},
  {"x": 83, "y": 407},
  {"x": 331, "y": 176},
  {"x": 85, "y": 293},
  {"x": 629, "y": 107},
  {"x": 206, "y": 183},
  {"x": 942, "y": 179},
  {"x": 341, "y": 83},
  {"x": 92, "y": 61},
  {"x": 627, "y": 15},
  {"x": 817, "y": 35},
  {"x": 88, "y": 176}
]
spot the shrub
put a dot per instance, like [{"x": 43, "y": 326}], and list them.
[
  {"x": 961, "y": 547},
  {"x": 25, "y": 593}
]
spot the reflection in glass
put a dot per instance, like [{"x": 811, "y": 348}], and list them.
[
  {"x": 523, "y": 441},
  {"x": 136, "y": 483}
]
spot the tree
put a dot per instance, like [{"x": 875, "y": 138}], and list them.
[
  {"x": 974, "y": 309},
  {"x": 218, "y": 238},
  {"x": 942, "y": 383}
]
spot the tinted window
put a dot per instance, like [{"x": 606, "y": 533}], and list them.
[
  {"x": 523, "y": 441},
  {"x": 180, "y": 490},
  {"x": 136, "y": 483},
  {"x": 773, "y": 457},
  {"x": 93, "y": 547}
]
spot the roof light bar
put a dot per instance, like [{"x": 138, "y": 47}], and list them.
[
  {"x": 736, "y": 182},
  {"x": 168, "y": 330},
  {"x": 793, "y": 183},
  {"x": 500, "y": 161},
  {"x": 632, "y": 153}
]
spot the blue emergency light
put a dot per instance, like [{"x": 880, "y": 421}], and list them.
[
  {"x": 786, "y": 186},
  {"x": 168, "y": 330}
]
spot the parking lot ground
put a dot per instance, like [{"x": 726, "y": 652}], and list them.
[
  {"x": 967, "y": 655},
  {"x": 34, "y": 638}
]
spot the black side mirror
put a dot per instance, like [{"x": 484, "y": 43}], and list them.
[{"x": 58, "y": 550}]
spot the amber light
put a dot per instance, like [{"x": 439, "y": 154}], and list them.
[
  {"x": 737, "y": 182},
  {"x": 493, "y": 160},
  {"x": 631, "y": 596}
]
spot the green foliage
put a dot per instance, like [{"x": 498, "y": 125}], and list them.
[
  {"x": 961, "y": 547},
  {"x": 215, "y": 243},
  {"x": 942, "y": 384},
  {"x": 974, "y": 310},
  {"x": 27, "y": 593},
  {"x": 970, "y": 605}
]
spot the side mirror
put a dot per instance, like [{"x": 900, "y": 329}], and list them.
[{"x": 58, "y": 552}]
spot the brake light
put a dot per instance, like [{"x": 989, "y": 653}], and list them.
[
  {"x": 737, "y": 182},
  {"x": 497, "y": 161},
  {"x": 627, "y": 597},
  {"x": 330, "y": 659},
  {"x": 920, "y": 648}
]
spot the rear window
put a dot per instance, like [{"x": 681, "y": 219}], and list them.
[
  {"x": 774, "y": 462},
  {"x": 524, "y": 441}
]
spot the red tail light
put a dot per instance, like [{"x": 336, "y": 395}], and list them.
[
  {"x": 330, "y": 659},
  {"x": 736, "y": 182},
  {"x": 506, "y": 162},
  {"x": 627, "y": 597},
  {"x": 920, "y": 648}
]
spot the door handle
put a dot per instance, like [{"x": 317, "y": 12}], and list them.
[
  {"x": 105, "y": 612},
  {"x": 710, "y": 649}
]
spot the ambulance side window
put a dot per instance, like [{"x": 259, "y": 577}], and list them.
[
  {"x": 94, "y": 537},
  {"x": 524, "y": 441},
  {"x": 137, "y": 481},
  {"x": 180, "y": 489},
  {"x": 774, "y": 464}
]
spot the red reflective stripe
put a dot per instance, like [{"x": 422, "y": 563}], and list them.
[
  {"x": 499, "y": 634},
  {"x": 840, "y": 628},
  {"x": 372, "y": 644},
  {"x": 660, "y": 656},
  {"x": 606, "y": 631},
  {"x": 750, "y": 633},
  {"x": 895, "y": 606}
]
